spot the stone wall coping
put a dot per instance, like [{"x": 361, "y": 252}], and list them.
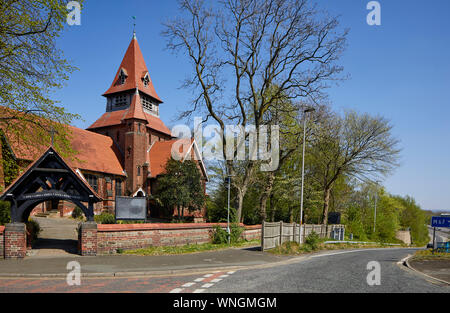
[
  {"x": 163, "y": 226},
  {"x": 19, "y": 227},
  {"x": 89, "y": 225}
]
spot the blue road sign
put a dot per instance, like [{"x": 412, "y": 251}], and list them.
[{"x": 440, "y": 221}]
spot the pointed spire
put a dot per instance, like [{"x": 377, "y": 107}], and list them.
[{"x": 134, "y": 65}]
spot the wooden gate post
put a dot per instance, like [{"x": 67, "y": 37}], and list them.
[{"x": 281, "y": 233}]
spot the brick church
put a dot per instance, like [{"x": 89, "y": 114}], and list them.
[{"x": 125, "y": 150}]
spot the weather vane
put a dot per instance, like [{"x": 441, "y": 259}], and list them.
[{"x": 134, "y": 25}]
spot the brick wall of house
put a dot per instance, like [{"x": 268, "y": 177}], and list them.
[
  {"x": 135, "y": 236},
  {"x": 2, "y": 248}
]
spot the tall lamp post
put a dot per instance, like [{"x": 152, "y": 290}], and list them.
[
  {"x": 305, "y": 110},
  {"x": 228, "y": 180},
  {"x": 375, "y": 207}
]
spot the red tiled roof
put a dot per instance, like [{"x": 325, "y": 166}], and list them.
[
  {"x": 161, "y": 152},
  {"x": 95, "y": 152},
  {"x": 135, "y": 110},
  {"x": 116, "y": 117},
  {"x": 134, "y": 67},
  {"x": 85, "y": 183}
]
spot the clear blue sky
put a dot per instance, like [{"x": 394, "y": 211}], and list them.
[{"x": 400, "y": 70}]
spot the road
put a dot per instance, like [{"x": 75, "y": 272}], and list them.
[
  {"x": 340, "y": 272},
  {"x": 442, "y": 234},
  {"x": 344, "y": 271}
]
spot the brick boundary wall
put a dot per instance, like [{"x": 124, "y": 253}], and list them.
[
  {"x": 112, "y": 237},
  {"x": 15, "y": 241},
  {"x": 87, "y": 239},
  {"x": 2, "y": 248}
]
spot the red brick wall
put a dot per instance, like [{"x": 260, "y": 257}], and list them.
[
  {"x": 135, "y": 236},
  {"x": 87, "y": 239},
  {"x": 15, "y": 242},
  {"x": 2, "y": 249}
]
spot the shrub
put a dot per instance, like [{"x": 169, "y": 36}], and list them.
[
  {"x": 312, "y": 241},
  {"x": 220, "y": 235},
  {"x": 33, "y": 229},
  {"x": 4, "y": 213},
  {"x": 77, "y": 213},
  {"x": 105, "y": 218}
]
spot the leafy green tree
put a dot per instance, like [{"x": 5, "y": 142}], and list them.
[
  {"x": 180, "y": 187},
  {"x": 31, "y": 67},
  {"x": 356, "y": 145},
  {"x": 261, "y": 44}
]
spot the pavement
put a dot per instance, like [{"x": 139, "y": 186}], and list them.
[
  {"x": 436, "y": 268},
  {"x": 129, "y": 265}
]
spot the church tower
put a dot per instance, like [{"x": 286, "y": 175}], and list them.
[{"x": 132, "y": 117}]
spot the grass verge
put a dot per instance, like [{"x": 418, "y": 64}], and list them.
[
  {"x": 293, "y": 248},
  {"x": 194, "y": 248},
  {"x": 428, "y": 255}
]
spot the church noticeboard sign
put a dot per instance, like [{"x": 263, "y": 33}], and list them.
[{"x": 131, "y": 208}]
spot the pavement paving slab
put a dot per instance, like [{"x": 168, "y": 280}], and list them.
[{"x": 439, "y": 269}]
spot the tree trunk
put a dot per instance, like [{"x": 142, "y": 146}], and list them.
[
  {"x": 240, "y": 205},
  {"x": 265, "y": 195},
  {"x": 291, "y": 215},
  {"x": 326, "y": 202},
  {"x": 272, "y": 207}
]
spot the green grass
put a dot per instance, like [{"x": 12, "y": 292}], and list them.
[
  {"x": 191, "y": 248},
  {"x": 428, "y": 255},
  {"x": 293, "y": 248}
]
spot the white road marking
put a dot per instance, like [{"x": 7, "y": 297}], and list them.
[
  {"x": 207, "y": 285},
  {"x": 343, "y": 252},
  {"x": 208, "y": 275},
  {"x": 232, "y": 272},
  {"x": 198, "y": 290},
  {"x": 216, "y": 280},
  {"x": 199, "y": 279},
  {"x": 403, "y": 260},
  {"x": 223, "y": 276},
  {"x": 188, "y": 285},
  {"x": 176, "y": 290}
]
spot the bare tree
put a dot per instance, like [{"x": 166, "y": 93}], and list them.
[
  {"x": 241, "y": 49},
  {"x": 357, "y": 145}
]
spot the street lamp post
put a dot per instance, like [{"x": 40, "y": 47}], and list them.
[
  {"x": 375, "y": 211},
  {"x": 309, "y": 109},
  {"x": 228, "y": 180}
]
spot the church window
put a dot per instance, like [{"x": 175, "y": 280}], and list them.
[
  {"x": 93, "y": 181},
  {"x": 146, "y": 80},
  {"x": 121, "y": 100},
  {"x": 147, "y": 102},
  {"x": 138, "y": 171},
  {"x": 122, "y": 77},
  {"x": 118, "y": 187}
]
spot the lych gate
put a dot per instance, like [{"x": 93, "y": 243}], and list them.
[{"x": 49, "y": 178}]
